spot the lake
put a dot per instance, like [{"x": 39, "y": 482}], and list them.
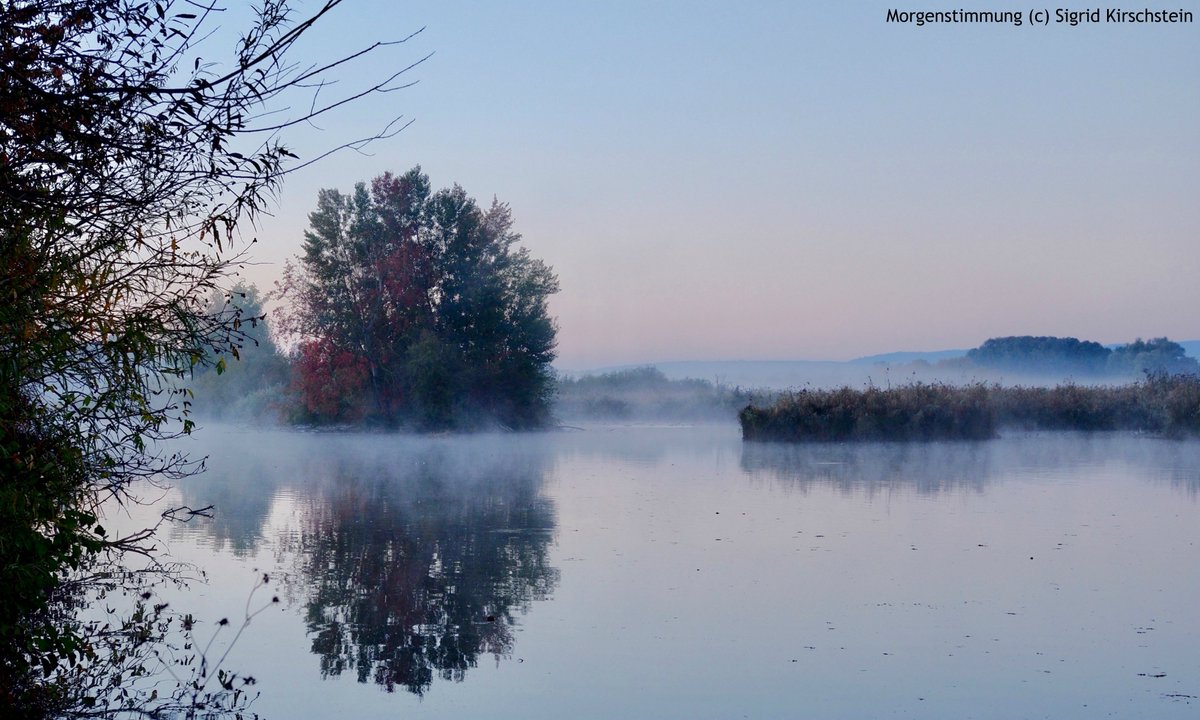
[{"x": 675, "y": 572}]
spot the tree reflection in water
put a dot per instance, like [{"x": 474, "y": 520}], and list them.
[{"x": 413, "y": 570}]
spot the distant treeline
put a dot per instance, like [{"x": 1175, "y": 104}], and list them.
[
  {"x": 263, "y": 384},
  {"x": 1165, "y": 404},
  {"x": 1080, "y": 358},
  {"x": 254, "y": 384},
  {"x": 646, "y": 393}
]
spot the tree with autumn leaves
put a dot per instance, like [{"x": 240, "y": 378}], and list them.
[{"x": 417, "y": 308}]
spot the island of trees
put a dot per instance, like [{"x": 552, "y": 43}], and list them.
[
  {"x": 408, "y": 309},
  {"x": 417, "y": 308}
]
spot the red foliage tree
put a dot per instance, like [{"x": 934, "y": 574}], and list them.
[
  {"x": 433, "y": 294},
  {"x": 332, "y": 382}
]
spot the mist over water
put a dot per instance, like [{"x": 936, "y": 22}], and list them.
[{"x": 674, "y": 571}]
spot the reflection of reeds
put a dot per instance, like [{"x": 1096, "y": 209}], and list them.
[
  {"x": 934, "y": 467},
  {"x": 1160, "y": 404}
]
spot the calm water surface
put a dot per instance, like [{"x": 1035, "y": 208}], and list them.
[{"x": 673, "y": 572}]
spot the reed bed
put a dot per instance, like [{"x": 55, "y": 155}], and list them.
[{"x": 1167, "y": 405}]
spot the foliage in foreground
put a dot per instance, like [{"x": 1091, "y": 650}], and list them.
[
  {"x": 128, "y": 162},
  {"x": 150, "y": 660},
  {"x": 419, "y": 308},
  {"x": 1164, "y": 404},
  {"x": 48, "y": 528}
]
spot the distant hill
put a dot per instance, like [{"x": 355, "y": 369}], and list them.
[
  {"x": 781, "y": 374},
  {"x": 784, "y": 374},
  {"x": 747, "y": 373}
]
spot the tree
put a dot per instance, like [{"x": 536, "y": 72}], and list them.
[
  {"x": 1041, "y": 354},
  {"x": 1158, "y": 355},
  {"x": 128, "y": 163},
  {"x": 418, "y": 307},
  {"x": 248, "y": 388}
]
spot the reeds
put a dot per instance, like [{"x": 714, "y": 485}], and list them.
[{"x": 1169, "y": 405}]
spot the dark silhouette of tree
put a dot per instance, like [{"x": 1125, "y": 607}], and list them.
[
  {"x": 419, "y": 307},
  {"x": 129, "y": 159}
]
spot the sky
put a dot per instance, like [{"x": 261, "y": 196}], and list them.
[{"x": 790, "y": 180}]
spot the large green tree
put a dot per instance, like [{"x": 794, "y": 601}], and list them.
[{"x": 419, "y": 307}]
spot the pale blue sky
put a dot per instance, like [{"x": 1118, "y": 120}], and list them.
[{"x": 786, "y": 180}]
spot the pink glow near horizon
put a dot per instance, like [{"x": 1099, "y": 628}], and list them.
[{"x": 783, "y": 182}]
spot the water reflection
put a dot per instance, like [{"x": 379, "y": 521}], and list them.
[
  {"x": 244, "y": 472},
  {"x": 412, "y": 557},
  {"x": 930, "y": 468},
  {"x": 415, "y": 573}
]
